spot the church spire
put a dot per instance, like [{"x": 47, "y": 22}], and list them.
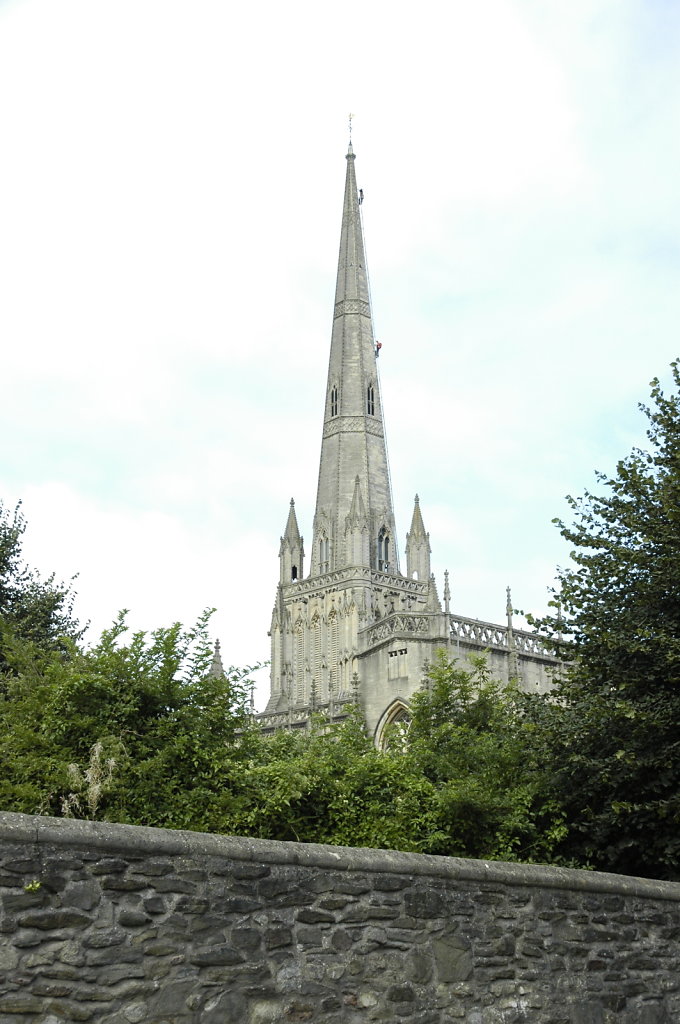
[
  {"x": 353, "y": 444},
  {"x": 216, "y": 668}
]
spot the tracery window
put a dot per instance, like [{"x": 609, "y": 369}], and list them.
[{"x": 392, "y": 731}]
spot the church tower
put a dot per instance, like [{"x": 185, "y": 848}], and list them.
[{"x": 356, "y": 629}]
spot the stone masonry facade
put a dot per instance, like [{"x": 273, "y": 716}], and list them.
[
  {"x": 356, "y": 629},
  {"x": 114, "y": 924}
]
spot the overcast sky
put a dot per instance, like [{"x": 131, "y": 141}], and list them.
[{"x": 171, "y": 182}]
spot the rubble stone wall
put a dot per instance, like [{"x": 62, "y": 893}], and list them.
[{"x": 115, "y": 924}]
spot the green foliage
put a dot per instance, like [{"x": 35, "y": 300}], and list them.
[
  {"x": 469, "y": 738},
  {"x": 331, "y": 785},
  {"x": 462, "y": 781},
  {"x": 612, "y": 735},
  {"x": 31, "y": 609},
  {"x": 177, "y": 734},
  {"x": 137, "y": 729}
]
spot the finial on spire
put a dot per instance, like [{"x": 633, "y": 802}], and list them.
[
  {"x": 216, "y": 668},
  {"x": 350, "y": 151},
  {"x": 508, "y": 612}
]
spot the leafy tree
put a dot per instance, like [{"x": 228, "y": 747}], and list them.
[
  {"x": 462, "y": 781},
  {"x": 471, "y": 740},
  {"x": 331, "y": 785},
  {"x": 612, "y": 734},
  {"x": 178, "y": 735},
  {"x": 40, "y": 611}
]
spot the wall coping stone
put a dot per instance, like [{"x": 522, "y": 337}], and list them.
[{"x": 138, "y": 839}]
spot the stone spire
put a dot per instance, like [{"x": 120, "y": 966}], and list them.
[
  {"x": 417, "y": 547},
  {"x": 216, "y": 667},
  {"x": 353, "y": 444},
  {"x": 291, "y": 550}
]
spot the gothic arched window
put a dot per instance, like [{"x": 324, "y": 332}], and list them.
[
  {"x": 392, "y": 730},
  {"x": 370, "y": 400},
  {"x": 324, "y": 554},
  {"x": 334, "y": 401}
]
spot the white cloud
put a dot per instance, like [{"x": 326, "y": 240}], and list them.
[{"x": 170, "y": 198}]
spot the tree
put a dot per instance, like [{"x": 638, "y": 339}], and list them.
[
  {"x": 331, "y": 785},
  {"x": 178, "y": 734},
  {"x": 461, "y": 782},
  {"x": 611, "y": 733},
  {"x": 40, "y": 611},
  {"x": 470, "y": 739}
]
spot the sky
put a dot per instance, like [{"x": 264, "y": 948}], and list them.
[{"x": 171, "y": 185}]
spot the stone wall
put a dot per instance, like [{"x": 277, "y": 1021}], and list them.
[{"x": 121, "y": 925}]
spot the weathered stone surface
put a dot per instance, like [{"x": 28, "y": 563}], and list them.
[
  {"x": 48, "y": 920},
  {"x": 132, "y": 918},
  {"x": 276, "y": 938},
  {"x": 13, "y": 903},
  {"x": 109, "y": 866},
  {"x": 20, "y": 1003},
  {"x": 309, "y": 916},
  {"x": 265, "y": 933},
  {"x": 216, "y": 955},
  {"x": 453, "y": 959}
]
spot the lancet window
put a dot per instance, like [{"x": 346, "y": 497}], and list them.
[
  {"x": 384, "y": 550},
  {"x": 370, "y": 400},
  {"x": 324, "y": 554},
  {"x": 334, "y": 400}
]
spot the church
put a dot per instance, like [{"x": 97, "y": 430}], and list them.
[{"x": 357, "y": 628}]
